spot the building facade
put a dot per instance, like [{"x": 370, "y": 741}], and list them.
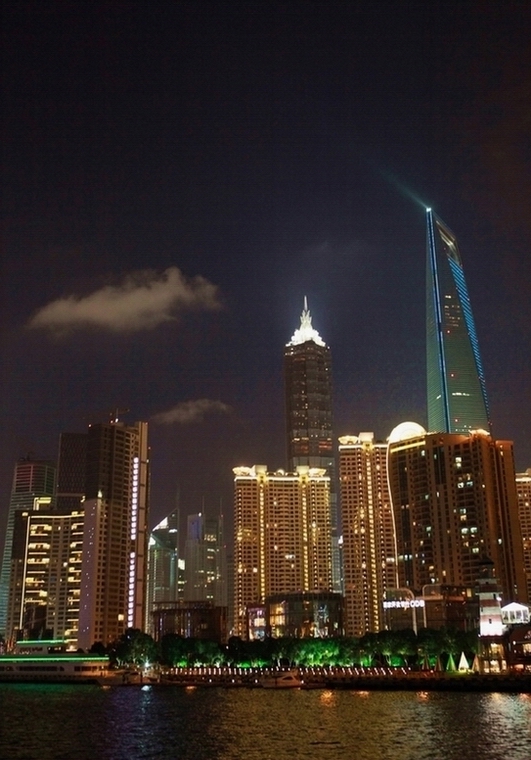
[
  {"x": 457, "y": 398},
  {"x": 455, "y": 507},
  {"x": 523, "y": 491},
  {"x": 369, "y": 546},
  {"x": 45, "y": 574},
  {"x": 33, "y": 479},
  {"x": 163, "y": 565},
  {"x": 282, "y": 535},
  {"x": 205, "y": 560},
  {"x": 115, "y": 541},
  {"x": 71, "y": 470},
  {"x": 309, "y": 420},
  {"x": 312, "y": 614}
]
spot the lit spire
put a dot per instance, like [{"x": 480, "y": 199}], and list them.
[{"x": 306, "y": 332}]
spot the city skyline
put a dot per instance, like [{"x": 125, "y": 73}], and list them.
[{"x": 164, "y": 215}]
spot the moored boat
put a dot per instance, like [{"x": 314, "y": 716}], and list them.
[
  {"x": 49, "y": 662},
  {"x": 290, "y": 679}
]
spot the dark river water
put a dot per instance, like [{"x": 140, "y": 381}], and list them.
[{"x": 38, "y": 722}]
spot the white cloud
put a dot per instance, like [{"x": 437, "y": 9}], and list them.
[
  {"x": 191, "y": 411},
  {"x": 141, "y": 301}
]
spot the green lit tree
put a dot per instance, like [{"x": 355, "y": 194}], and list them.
[
  {"x": 134, "y": 648},
  {"x": 174, "y": 650}
]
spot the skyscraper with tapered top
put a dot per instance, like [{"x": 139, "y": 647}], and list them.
[
  {"x": 457, "y": 398},
  {"x": 309, "y": 422}
]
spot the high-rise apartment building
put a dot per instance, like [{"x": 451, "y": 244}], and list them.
[
  {"x": 115, "y": 541},
  {"x": 457, "y": 399},
  {"x": 308, "y": 400},
  {"x": 45, "y": 574},
  {"x": 455, "y": 507},
  {"x": 205, "y": 560},
  {"x": 523, "y": 490},
  {"x": 32, "y": 480},
  {"x": 369, "y": 546},
  {"x": 281, "y": 535}
]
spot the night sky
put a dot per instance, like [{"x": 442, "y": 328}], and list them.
[{"x": 177, "y": 176}]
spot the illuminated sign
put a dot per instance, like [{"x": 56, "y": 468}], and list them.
[{"x": 403, "y": 604}]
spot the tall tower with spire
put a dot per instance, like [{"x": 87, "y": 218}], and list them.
[{"x": 308, "y": 394}]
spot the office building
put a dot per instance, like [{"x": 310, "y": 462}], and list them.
[
  {"x": 438, "y": 606},
  {"x": 455, "y": 508},
  {"x": 33, "y": 479},
  {"x": 163, "y": 564},
  {"x": 457, "y": 399},
  {"x": 304, "y": 615},
  {"x": 191, "y": 620},
  {"x": 205, "y": 560},
  {"x": 45, "y": 574},
  {"x": 282, "y": 535},
  {"x": 523, "y": 491},
  {"x": 71, "y": 468},
  {"x": 308, "y": 403},
  {"x": 115, "y": 541},
  {"x": 369, "y": 547}
]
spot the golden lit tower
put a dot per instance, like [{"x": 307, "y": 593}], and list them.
[
  {"x": 369, "y": 548},
  {"x": 282, "y": 535},
  {"x": 523, "y": 490},
  {"x": 308, "y": 395}
]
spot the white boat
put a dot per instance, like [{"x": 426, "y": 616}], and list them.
[
  {"x": 48, "y": 662},
  {"x": 284, "y": 680}
]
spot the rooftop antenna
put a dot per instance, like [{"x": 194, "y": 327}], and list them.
[{"x": 115, "y": 413}]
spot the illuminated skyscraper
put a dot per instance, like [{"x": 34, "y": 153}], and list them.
[
  {"x": 163, "y": 565},
  {"x": 45, "y": 574},
  {"x": 369, "y": 548},
  {"x": 115, "y": 540},
  {"x": 308, "y": 394},
  {"x": 205, "y": 560},
  {"x": 32, "y": 479},
  {"x": 523, "y": 490},
  {"x": 281, "y": 535},
  {"x": 455, "y": 507},
  {"x": 457, "y": 398}
]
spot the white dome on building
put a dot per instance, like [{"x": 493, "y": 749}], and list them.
[{"x": 406, "y": 430}]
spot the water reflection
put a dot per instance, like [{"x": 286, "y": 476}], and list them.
[{"x": 231, "y": 724}]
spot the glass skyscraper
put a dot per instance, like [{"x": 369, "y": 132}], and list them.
[{"x": 457, "y": 399}]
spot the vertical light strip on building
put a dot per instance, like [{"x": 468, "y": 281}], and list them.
[
  {"x": 132, "y": 556},
  {"x": 436, "y": 294}
]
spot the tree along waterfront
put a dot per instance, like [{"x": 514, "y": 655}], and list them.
[{"x": 426, "y": 649}]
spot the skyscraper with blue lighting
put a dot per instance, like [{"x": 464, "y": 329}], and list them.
[{"x": 457, "y": 398}]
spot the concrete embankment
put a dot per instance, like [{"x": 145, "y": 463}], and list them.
[{"x": 400, "y": 682}]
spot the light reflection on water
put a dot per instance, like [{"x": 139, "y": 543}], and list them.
[{"x": 82, "y": 722}]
